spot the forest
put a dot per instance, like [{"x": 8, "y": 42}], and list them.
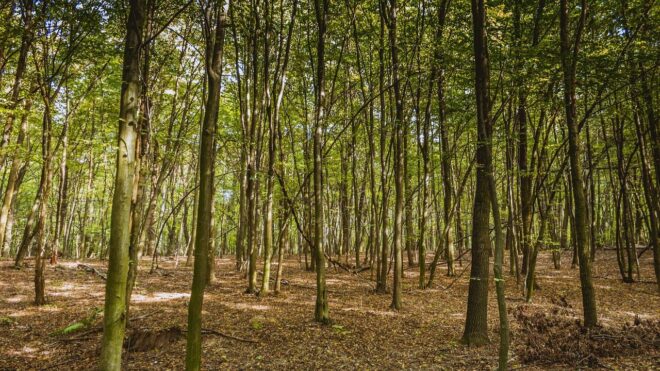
[{"x": 316, "y": 184}]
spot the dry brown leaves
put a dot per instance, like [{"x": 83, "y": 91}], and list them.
[{"x": 364, "y": 333}]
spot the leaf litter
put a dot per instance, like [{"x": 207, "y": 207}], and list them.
[{"x": 243, "y": 331}]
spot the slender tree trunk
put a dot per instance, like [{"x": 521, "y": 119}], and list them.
[
  {"x": 214, "y": 36},
  {"x": 641, "y": 89},
  {"x": 408, "y": 200},
  {"x": 254, "y": 155},
  {"x": 210, "y": 271},
  {"x": 272, "y": 152},
  {"x": 581, "y": 218},
  {"x": 63, "y": 189},
  {"x": 381, "y": 281},
  {"x": 511, "y": 230},
  {"x": 45, "y": 185},
  {"x": 321, "y": 309},
  {"x": 389, "y": 12},
  {"x": 476, "y": 321},
  {"x": 21, "y": 66},
  {"x": 497, "y": 267},
  {"x": 13, "y": 183},
  {"x": 193, "y": 229},
  {"x": 140, "y": 221},
  {"x": 242, "y": 212},
  {"x": 344, "y": 202},
  {"x": 651, "y": 198},
  {"x": 525, "y": 178},
  {"x": 114, "y": 319}
]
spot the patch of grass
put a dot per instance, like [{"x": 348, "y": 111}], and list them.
[
  {"x": 339, "y": 329},
  {"x": 256, "y": 324},
  {"x": 6, "y": 321}
]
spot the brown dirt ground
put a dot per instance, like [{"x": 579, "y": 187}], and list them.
[{"x": 365, "y": 334}]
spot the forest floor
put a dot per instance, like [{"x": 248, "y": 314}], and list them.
[{"x": 278, "y": 332}]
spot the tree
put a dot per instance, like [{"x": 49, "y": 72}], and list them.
[
  {"x": 389, "y": 14},
  {"x": 476, "y": 320},
  {"x": 214, "y": 25},
  {"x": 114, "y": 319},
  {"x": 321, "y": 308},
  {"x": 569, "y": 56}
]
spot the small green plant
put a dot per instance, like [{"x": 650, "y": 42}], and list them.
[
  {"x": 256, "y": 324},
  {"x": 79, "y": 325},
  {"x": 339, "y": 329},
  {"x": 7, "y": 321}
]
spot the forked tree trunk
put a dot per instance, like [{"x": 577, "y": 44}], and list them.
[{"x": 214, "y": 36}]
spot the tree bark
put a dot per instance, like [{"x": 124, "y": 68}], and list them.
[
  {"x": 21, "y": 65},
  {"x": 321, "y": 308},
  {"x": 568, "y": 63},
  {"x": 389, "y": 12},
  {"x": 13, "y": 181},
  {"x": 214, "y": 37},
  {"x": 114, "y": 319},
  {"x": 476, "y": 321}
]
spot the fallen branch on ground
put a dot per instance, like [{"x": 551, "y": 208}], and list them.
[
  {"x": 349, "y": 269},
  {"x": 93, "y": 270}
]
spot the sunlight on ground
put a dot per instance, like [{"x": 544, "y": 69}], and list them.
[
  {"x": 158, "y": 297},
  {"x": 248, "y": 306},
  {"x": 32, "y": 310},
  {"x": 67, "y": 286},
  {"x": 369, "y": 311},
  {"x": 16, "y": 299},
  {"x": 73, "y": 290},
  {"x": 640, "y": 315},
  {"x": 551, "y": 276}
]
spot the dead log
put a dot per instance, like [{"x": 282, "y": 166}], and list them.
[{"x": 93, "y": 270}]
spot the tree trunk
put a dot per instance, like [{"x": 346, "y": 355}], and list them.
[
  {"x": 272, "y": 144},
  {"x": 321, "y": 308},
  {"x": 114, "y": 319},
  {"x": 45, "y": 185},
  {"x": 21, "y": 65},
  {"x": 574, "y": 152},
  {"x": 214, "y": 35},
  {"x": 13, "y": 183},
  {"x": 389, "y": 12},
  {"x": 476, "y": 321},
  {"x": 381, "y": 280},
  {"x": 141, "y": 167}
]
